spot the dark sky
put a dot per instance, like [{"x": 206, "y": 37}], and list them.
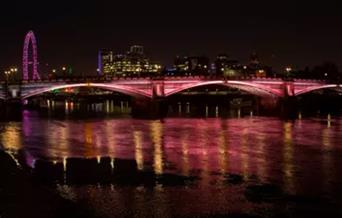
[{"x": 71, "y": 32}]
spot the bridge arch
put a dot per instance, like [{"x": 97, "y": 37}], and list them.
[
  {"x": 314, "y": 88},
  {"x": 253, "y": 88},
  {"x": 117, "y": 88}
]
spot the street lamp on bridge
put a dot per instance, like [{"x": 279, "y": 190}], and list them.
[
  {"x": 14, "y": 70},
  {"x": 288, "y": 69},
  {"x": 7, "y": 74}
]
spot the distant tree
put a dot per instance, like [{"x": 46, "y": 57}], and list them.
[{"x": 302, "y": 74}]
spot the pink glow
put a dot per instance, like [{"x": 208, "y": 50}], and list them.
[
  {"x": 289, "y": 90},
  {"x": 313, "y": 88},
  {"x": 246, "y": 86},
  {"x": 146, "y": 88},
  {"x": 111, "y": 87}
]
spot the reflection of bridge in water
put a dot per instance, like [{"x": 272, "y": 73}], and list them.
[{"x": 151, "y": 88}]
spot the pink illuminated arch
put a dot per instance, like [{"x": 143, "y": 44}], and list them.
[
  {"x": 117, "y": 88},
  {"x": 250, "y": 87},
  {"x": 30, "y": 38},
  {"x": 314, "y": 88}
]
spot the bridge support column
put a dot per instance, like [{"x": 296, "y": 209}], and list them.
[
  {"x": 269, "y": 106},
  {"x": 11, "y": 109},
  {"x": 150, "y": 108},
  {"x": 288, "y": 104},
  {"x": 285, "y": 107},
  {"x": 289, "y": 107}
]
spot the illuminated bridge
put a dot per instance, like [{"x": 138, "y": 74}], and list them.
[
  {"x": 152, "y": 88},
  {"x": 149, "y": 88}
]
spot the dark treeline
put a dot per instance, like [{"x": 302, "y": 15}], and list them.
[{"x": 325, "y": 71}]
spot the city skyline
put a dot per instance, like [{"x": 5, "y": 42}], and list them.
[{"x": 72, "y": 34}]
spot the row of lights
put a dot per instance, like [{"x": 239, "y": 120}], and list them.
[
  {"x": 12, "y": 70},
  {"x": 289, "y": 69},
  {"x": 54, "y": 70}
]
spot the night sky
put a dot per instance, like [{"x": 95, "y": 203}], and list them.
[{"x": 71, "y": 33}]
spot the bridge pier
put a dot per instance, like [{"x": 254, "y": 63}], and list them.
[
  {"x": 269, "y": 106},
  {"x": 149, "y": 108},
  {"x": 289, "y": 107},
  {"x": 286, "y": 107},
  {"x": 11, "y": 109}
]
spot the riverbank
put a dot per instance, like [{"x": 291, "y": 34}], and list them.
[{"x": 20, "y": 196}]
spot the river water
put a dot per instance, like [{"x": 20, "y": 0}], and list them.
[{"x": 249, "y": 165}]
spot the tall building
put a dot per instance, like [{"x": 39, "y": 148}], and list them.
[
  {"x": 133, "y": 63},
  {"x": 105, "y": 60}
]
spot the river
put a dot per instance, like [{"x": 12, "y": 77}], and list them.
[{"x": 190, "y": 167}]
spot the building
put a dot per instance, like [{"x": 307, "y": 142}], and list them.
[
  {"x": 256, "y": 69},
  {"x": 105, "y": 60},
  {"x": 227, "y": 67},
  {"x": 133, "y": 63},
  {"x": 195, "y": 65},
  {"x": 137, "y": 50},
  {"x": 181, "y": 65}
]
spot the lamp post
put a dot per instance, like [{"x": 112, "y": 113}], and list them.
[
  {"x": 64, "y": 72},
  {"x": 7, "y": 74},
  {"x": 14, "y": 70},
  {"x": 288, "y": 71}
]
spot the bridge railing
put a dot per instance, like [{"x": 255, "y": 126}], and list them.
[{"x": 161, "y": 77}]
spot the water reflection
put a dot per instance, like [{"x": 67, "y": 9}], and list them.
[
  {"x": 185, "y": 153},
  {"x": 248, "y": 146},
  {"x": 138, "y": 149},
  {"x": 156, "y": 135},
  {"x": 204, "y": 148},
  {"x": 244, "y": 153},
  {"x": 299, "y": 155},
  {"x": 11, "y": 137},
  {"x": 327, "y": 162},
  {"x": 222, "y": 150},
  {"x": 262, "y": 163},
  {"x": 288, "y": 167},
  {"x": 90, "y": 150}
]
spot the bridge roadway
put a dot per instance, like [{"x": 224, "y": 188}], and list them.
[{"x": 166, "y": 86}]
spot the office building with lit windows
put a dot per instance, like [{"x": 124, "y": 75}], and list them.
[
  {"x": 105, "y": 60},
  {"x": 195, "y": 65},
  {"x": 227, "y": 67},
  {"x": 133, "y": 63}
]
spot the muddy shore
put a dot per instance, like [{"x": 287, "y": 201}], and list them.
[{"x": 20, "y": 196}]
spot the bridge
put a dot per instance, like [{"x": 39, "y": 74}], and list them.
[
  {"x": 149, "y": 88},
  {"x": 163, "y": 87}
]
